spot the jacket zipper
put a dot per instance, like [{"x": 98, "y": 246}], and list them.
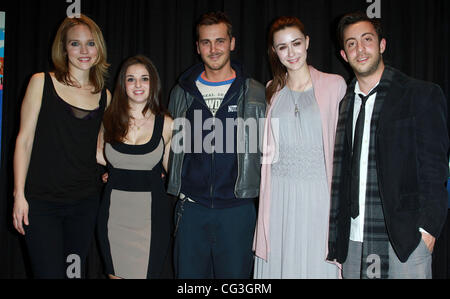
[
  {"x": 212, "y": 164},
  {"x": 223, "y": 104}
]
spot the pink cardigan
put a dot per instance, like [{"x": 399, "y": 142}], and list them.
[{"x": 329, "y": 90}]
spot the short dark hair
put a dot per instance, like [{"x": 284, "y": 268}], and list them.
[
  {"x": 214, "y": 18},
  {"x": 353, "y": 18}
]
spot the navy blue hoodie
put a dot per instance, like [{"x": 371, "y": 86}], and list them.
[{"x": 209, "y": 178}]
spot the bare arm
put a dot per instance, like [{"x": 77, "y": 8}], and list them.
[{"x": 31, "y": 107}]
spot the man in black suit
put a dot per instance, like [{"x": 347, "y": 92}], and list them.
[{"x": 389, "y": 200}]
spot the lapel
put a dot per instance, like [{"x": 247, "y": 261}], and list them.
[
  {"x": 347, "y": 110},
  {"x": 388, "y": 94}
]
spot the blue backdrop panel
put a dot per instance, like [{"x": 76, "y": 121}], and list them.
[{"x": 2, "y": 55}]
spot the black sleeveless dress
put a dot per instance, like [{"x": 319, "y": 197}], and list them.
[
  {"x": 135, "y": 221},
  {"x": 63, "y": 166}
]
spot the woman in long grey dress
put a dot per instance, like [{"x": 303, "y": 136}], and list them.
[
  {"x": 292, "y": 228},
  {"x": 136, "y": 215}
]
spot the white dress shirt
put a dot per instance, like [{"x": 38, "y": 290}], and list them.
[{"x": 357, "y": 225}]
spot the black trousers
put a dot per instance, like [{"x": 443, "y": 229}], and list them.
[{"x": 59, "y": 237}]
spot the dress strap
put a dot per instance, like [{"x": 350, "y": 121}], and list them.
[
  {"x": 48, "y": 86},
  {"x": 47, "y": 77},
  {"x": 159, "y": 126},
  {"x": 51, "y": 89},
  {"x": 103, "y": 100}
]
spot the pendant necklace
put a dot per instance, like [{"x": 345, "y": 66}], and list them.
[
  {"x": 296, "y": 111},
  {"x": 139, "y": 127}
]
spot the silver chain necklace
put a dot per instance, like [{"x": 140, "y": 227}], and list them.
[{"x": 296, "y": 111}]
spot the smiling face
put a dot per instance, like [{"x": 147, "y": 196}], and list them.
[
  {"x": 214, "y": 46},
  {"x": 81, "y": 49},
  {"x": 291, "y": 47},
  {"x": 362, "y": 49},
  {"x": 137, "y": 83}
]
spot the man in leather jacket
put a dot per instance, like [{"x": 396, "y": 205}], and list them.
[{"x": 215, "y": 159}]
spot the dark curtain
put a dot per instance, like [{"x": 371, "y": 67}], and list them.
[{"x": 417, "y": 33}]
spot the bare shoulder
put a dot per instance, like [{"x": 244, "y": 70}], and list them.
[
  {"x": 32, "y": 102},
  {"x": 37, "y": 79},
  {"x": 35, "y": 88}
]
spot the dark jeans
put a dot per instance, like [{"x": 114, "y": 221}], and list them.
[
  {"x": 214, "y": 243},
  {"x": 59, "y": 237}
]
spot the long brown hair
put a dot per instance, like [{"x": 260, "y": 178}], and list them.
[
  {"x": 278, "y": 69},
  {"x": 99, "y": 70},
  {"x": 117, "y": 117}
]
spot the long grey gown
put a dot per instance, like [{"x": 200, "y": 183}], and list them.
[{"x": 300, "y": 199}]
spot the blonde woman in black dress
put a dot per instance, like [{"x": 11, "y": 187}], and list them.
[{"x": 56, "y": 183}]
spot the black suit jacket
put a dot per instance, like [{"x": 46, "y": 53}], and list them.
[{"x": 412, "y": 165}]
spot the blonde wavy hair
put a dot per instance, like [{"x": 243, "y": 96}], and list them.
[{"x": 99, "y": 70}]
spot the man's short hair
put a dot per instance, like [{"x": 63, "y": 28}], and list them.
[
  {"x": 214, "y": 18},
  {"x": 353, "y": 18}
]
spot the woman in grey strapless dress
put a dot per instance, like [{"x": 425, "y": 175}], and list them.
[
  {"x": 292, "y": 229},
  {"x": 135, "y": 220}
]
